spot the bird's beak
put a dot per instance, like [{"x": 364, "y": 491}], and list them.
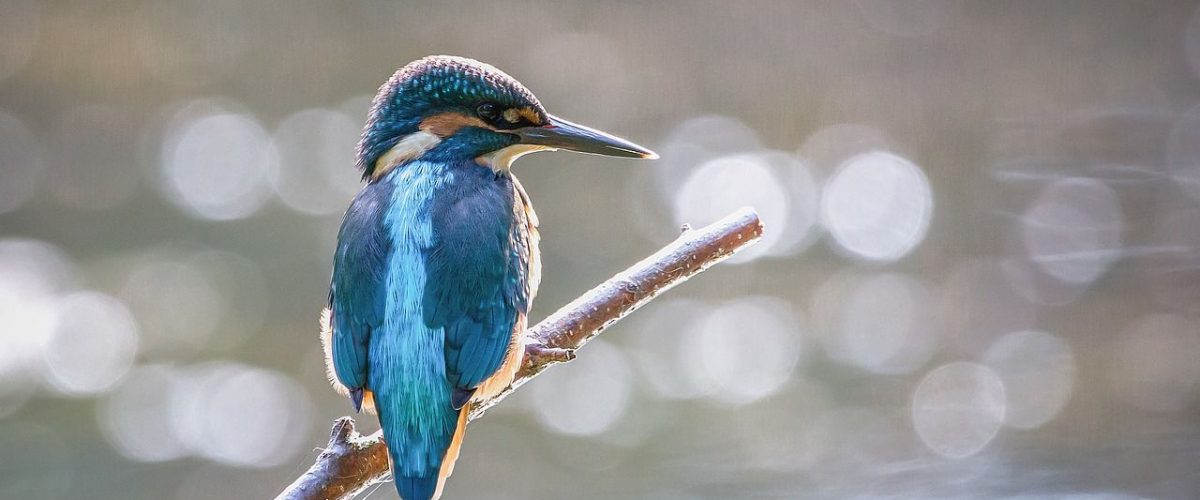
[{"x": 562, "y": 134}]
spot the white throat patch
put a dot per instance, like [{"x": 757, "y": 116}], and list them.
[{"x": 501, "y": 160}]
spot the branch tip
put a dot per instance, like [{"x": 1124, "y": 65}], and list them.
[{"x": 343, "y": 429}]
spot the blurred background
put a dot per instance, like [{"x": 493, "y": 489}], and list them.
[{"x": 981, "y": 274}]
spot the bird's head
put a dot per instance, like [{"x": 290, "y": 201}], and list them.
[{"x": 454, "y": 108}]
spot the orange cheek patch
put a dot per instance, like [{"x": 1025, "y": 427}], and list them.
[{"x": 446, "y": 124}]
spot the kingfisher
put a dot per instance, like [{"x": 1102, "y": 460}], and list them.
[{"x": 437, "y": 258}]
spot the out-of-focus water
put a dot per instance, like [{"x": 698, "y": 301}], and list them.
[{"x": 980, "y": 277}]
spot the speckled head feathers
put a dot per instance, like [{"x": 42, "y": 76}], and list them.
[
  {"x": 453, "y": 79},
  {"x": 439, "y": 85}
]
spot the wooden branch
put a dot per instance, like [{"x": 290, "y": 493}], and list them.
[
  {"x": 351, "y": 463},
  {"x": 348, "y": 465}
]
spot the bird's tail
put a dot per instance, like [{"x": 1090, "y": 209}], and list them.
[
  {"x": 416, "y": 488},
  {"x": 421, "y": 462}
]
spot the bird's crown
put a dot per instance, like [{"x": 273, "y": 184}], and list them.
[{"x": 451, "y": 81}]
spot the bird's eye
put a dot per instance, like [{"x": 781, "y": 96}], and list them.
[{"x": 488, "y": 110}]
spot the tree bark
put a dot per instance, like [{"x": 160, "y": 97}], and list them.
[{"x": 351, "y": 463}]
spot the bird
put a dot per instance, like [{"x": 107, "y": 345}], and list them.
[{"x": 437, "y": 259}]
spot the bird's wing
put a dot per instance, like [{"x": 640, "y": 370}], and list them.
[
  {"x": 477, "y": 286},
  {"x": 357, "y": 293}
]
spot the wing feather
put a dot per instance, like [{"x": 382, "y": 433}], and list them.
[
  {"x": 357, "y": 293},
  {"x": 477, "y": 286}
]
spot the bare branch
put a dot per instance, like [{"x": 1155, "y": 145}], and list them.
[
  {"x": 348, "y": 465},
  {"x": 351, "y": 463}
]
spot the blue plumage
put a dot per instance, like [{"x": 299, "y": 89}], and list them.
[
  {"x": 474, "y": 300},
  {"x": 407, "y": 374},
  {"x": 357, "y": 290},
  {"x": 423, "y": 301},
  {"x": 437, "y": 260}
]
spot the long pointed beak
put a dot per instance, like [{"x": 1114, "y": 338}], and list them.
[{"x": 562, "y": 134}]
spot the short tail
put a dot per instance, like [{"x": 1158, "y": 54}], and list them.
[
  {"x": 417, "y": 488},
  {"x": 429, "y": 487}
]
